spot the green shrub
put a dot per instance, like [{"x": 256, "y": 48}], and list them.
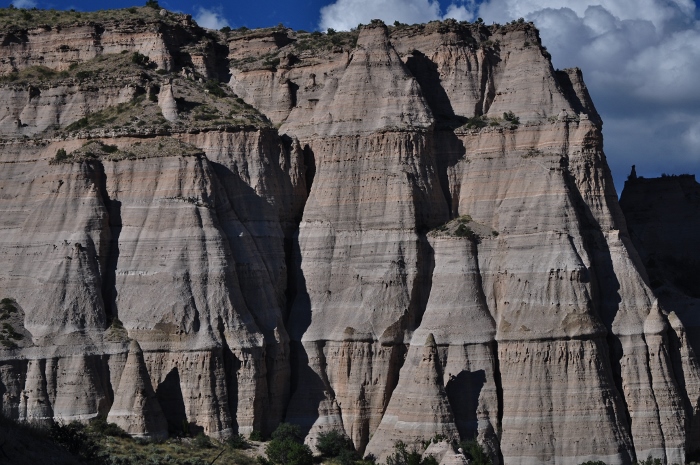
[
  {"x": 348, "y": 457},
  {"x": 7, "y": 307},
  {"x": 214, "y": 88},
  {"x": 110, "y": 148},
  {"x": 8, "y": 332},
  {"x": 510, "y": 117},
  {"x": 475, "y": 453},
  {"x": 288, "y": 452},
  {"x": 287, "y": 447},
  {"x": 403, "y": 456},
  {"x": 202, "y": 441},
  {"x": 464, "y": 231},
  {"x": 152, "y": 4},
  {"x": 649, "y": 461},
  {"x": 80, "y": 124},
  {"x": 75, "y": 438},
  {"x": 139, "y": 58},
  {"x": 237, "y": 441},
  {"x": 288, "y": 431},
  {"x": 272, "y": 62},
  {"x": 333, "y": 443},
  {"x": 83, "y": 75},
  {"x": 256, "y": 435},
  {"x": 100, "y": 426},
  {"x": 477, "y": 122}
]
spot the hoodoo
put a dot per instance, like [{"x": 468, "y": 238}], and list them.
[{"x": 394, "y": 232}]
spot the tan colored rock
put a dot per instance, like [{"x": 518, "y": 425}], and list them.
[
  {"x": 443, "y": 452},
  {"x": 35, "y": 397},
  {"x": 374, "y": 91},
  {"x": 661, "y": 215},
  {"x": 419, "y": 408},
  {"x": 136, "y": 409},
  {"x": 167, "y": 103},
  {"x": 459, "y": 319},
  {"x": 27, "y": 114},
  {"x": 80, "y": 389}
]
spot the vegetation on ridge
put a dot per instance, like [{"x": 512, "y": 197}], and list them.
[
  {"x": 8, "y": 335},
  {"x": 13, "y": 19}
]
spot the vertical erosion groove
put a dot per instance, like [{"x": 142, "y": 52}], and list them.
[{"x": 111, "y": 251}]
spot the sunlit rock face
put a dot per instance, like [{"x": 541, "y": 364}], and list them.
[{"x": 401, "y": 233}]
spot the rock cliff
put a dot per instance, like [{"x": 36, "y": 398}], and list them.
[{"x": 397, "y": 232}]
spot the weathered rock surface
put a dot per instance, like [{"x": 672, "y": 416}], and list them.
[
  {"x": 422, "y": 410},
  {"x": 662, "y": 216},
  {"x": 429, "y": 243},
  {"x": 136, "y": 409}
]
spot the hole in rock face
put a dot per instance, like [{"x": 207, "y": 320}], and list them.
[
  {"x": 463, "y": 392},
  {"x": 293, "y": 88},
  {"x": 169, "y": 395}
]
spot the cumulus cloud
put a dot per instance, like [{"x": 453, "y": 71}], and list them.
[
  {"x": 24, "y": 3},
  {"x": 347, "y": 14},
  {"x": 210, "y": 18}
]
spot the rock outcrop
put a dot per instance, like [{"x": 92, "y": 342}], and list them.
[
  {"x": 404, "y": 233},
  {"x": 136, "y": 409},
  {"x": 662, "y": 216}
]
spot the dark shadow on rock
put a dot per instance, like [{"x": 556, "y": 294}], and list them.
[
  {"x": 605, "y": 287},
  {"x": 169, "y": 395},
  {"x": 292, "y": 88},
  {"x": 449, "y": 150},
  {"x": 426, "y": 73},
  {"x": 310, "y": 164},
  {"x": 111, "y": 261},
  {"x": 463, "y": 393},
  {"x": 231, "y": 366},
  {"x": 308, "y": 390}
]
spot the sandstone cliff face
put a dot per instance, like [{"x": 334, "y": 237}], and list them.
[
  {"x": 429, "y": 243},
  {"x": 662, "y": 216}
]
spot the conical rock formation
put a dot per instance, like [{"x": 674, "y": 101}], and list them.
[
  {"x": 136, "y": 409},
  {"x": 420, "y": 410},
  {"x": 167, "y": 102}
]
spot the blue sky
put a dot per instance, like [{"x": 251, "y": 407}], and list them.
[{"x": 640, "y": 58}]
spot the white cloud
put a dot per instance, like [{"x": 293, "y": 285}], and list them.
[
  {"x": 347, "y": 14},
  {"x": 210, "y": 18},
  {"x": 691, "y": 140},
  {"x": 459, "y": 12},
  {"x": 24, "y": 3}
]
